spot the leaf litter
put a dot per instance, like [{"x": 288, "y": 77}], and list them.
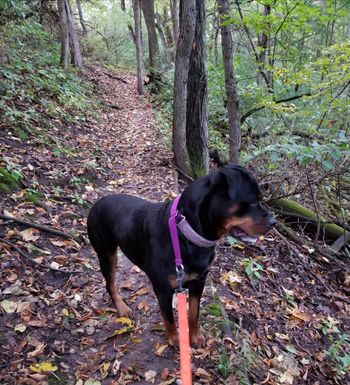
[{"x": 58, "y": 325}]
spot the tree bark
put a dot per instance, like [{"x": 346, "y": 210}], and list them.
[
  {"x": 73, "y": 37},
  {"x": 159, "y": 26},
  {"x": 230, "y": 84},
  {"x": 264, "y": 45},
  {"x": 183, "y": 51},
  {"x": 197, "y": 100},
  {"x": 64, "y": 60},
  {"x": 153, "y": 48},
  {"x": 81, "y": 18},
  {"x": 138, "y": 43},
  {"x": 175, "y": 16}
]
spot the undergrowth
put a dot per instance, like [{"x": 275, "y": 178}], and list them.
[{"x": 35, "y": 91}]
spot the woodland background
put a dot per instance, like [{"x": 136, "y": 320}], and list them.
[{"x": 263, "y": 83}]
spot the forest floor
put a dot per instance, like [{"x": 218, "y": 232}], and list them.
[{"x": 271, "y": 313}]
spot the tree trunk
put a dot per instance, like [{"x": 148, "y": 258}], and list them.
[
  {"x": 183, "y": 51},
  {"x": 230, "y": 84},
  {"x": 197, "y": 100},
  {"x": 264, "y": 47},
  {"x": 153, "y": 48},
  {"x": 81, "y": 18},
  {"x": 64, "y": 60},
  {"x": 159, "y": 26},
  {"x": 73, "y": 37},
  {"x": 138, "y": 43},
  {"x": 175, "y": 16}
]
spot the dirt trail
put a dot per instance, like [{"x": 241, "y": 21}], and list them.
[{"x": 288, "y": 310}]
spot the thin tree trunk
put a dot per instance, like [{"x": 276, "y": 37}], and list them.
[
  {"x": 183, "y": 51},
  {"x": 81, "y": 18},
  {"x": 64, "y": 60},
  {"x": 197, "y": 100},
  {"x": 159, "y": 26},
  {"x": 216, "y": 51},
  {"x": 153, "y": 48},
  {"x": 138, "y": 43},
  {"x": 230, "y": 84},
  {"x": 264, "y": 44},
  {"x": 175, "y": 16},
  {"x": 73, "y": 37}
]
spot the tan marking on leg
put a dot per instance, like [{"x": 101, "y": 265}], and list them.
[
  {"x": 196, "y": 336},
  {"x": 171, "y": 333},
  {"x": 123, "y": 309}
]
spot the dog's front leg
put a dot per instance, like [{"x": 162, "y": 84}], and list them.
[
  {"x": 195, "y": 293},
  {"x": 165, "y": 298}
]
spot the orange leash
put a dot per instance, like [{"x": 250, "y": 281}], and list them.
[{"x": 184, "y": 340}]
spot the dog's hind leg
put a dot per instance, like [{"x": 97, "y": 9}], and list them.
[{"x": 108, "y": 264}]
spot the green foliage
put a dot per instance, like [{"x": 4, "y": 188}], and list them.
[
  {"x": 213, "y": 309},
  {"x": 311, "y": 58},
  {"x": 338, "y": 352},
  {"x": 109, "y": 40},
  {"x": 9, "y": 179},
  {"x": 238, "y": 363},
  {"x": 34, "y": 89},
  {"x": 10, "y": 9},
  {"x": 252, "y": 268}
]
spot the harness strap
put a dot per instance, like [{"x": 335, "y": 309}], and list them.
[
  {"x": 184, "y": 335},
  {"x": 173, "y": 232}
]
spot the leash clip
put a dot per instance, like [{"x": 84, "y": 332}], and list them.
[{"x": 180, "y": 273}]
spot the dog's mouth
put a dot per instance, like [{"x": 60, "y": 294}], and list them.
[{"x": 242, "y": 236}]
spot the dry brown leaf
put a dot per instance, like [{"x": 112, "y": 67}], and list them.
[
  {"x": 30, "y": 235},
  {"x": 201, "y": 373}
]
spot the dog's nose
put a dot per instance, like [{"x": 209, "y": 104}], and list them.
[{"x": 272, "y": 221}]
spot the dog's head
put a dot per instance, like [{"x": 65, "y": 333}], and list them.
[{"x": 229, "y": 203}]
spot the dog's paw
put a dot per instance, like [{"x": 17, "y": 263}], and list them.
[
  {"x": 173, "y": 339},
  {"x": 197, "y": 340},
  {"x": 124, "y": 310}
]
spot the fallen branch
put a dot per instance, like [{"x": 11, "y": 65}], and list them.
[
  {"x": 331, "y": 229},
  {"x": 35, "y": 263},
  {"x": 340, "y": 242},
  {"x": 39, "y": 227},
  {"x": 22, "y": 253},
  {"x": 321, "y": 251},
  {"x": 329, "y": 292}
]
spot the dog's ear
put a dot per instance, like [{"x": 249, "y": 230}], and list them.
[
  {"x": 237, "y": 181},
  {"x": 231, "y": 180}
]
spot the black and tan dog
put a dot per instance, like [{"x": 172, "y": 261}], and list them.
[{"x": 224, "y": 202}]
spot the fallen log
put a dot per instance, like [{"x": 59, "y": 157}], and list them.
[{"x": 288, "y": 207}]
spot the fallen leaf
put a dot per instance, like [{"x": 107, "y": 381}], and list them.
[
  {"x": 38, "y": 351},
  {"x": 160, "y": 349},
  {"x": 43, "y": 367},
  {"x": 30, "y": 234},
  {"x": 20, "y": 328},
  {"x": 143, "y": 305},
  {"x": 165, "y": 374},
  {"x": 8, "y": 306},
  {"x": 127, "y": 325},
  {"x": 201, "y": 373},
  {"x": 150, "y": 376},
  {"x": 300, "y": 315},
  {"x": 92, "y": 381},
  {"x": 115, "y": 367}
]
